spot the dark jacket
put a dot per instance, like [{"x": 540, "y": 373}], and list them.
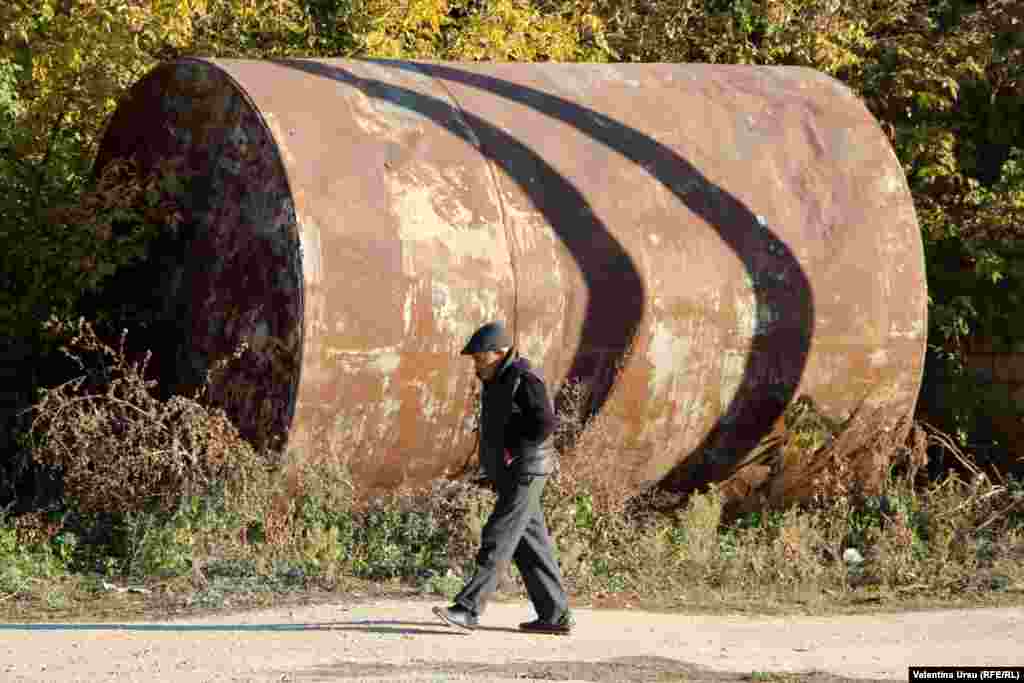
[{"x": 517, "y": 417}]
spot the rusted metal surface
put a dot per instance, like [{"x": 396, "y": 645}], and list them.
[{"x": 701, "y": 244}]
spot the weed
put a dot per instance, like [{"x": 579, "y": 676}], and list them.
[
  {"x": 26, "y": 555},
  {"x": 447, "y": 584},
  {"x": 56, "y": 599},
  {"x": 769, "y": 677},
  {"x": 208, "y": 598}
]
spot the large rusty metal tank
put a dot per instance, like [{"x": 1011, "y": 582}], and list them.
[{"x": 701, "y": 245}]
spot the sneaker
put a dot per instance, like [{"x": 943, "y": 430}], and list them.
[
  {"x": 562, "y": 627},
  {"x": 457, "y": 615}
]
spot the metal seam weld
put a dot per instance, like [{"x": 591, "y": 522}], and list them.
[
  {"x": 508, "y": 238},
  {"x": 512, "y": 255}
]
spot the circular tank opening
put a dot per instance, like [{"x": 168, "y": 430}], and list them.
[{"x": 229, "y": 279}]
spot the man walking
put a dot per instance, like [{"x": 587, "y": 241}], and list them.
[{"x": 517, "y": 421}]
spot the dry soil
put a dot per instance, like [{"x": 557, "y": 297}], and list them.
[{"x": 400, "y": 640}]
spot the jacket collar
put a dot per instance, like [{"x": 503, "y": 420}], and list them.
[{"x": 506, "y": 363}]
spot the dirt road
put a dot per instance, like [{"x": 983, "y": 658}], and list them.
[{"x": 402, "y": 641}]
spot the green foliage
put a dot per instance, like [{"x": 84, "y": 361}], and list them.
[
  {"x": 161, "y": 543},
  {"x": 448, "y": 584},
  {"x": 158, "y": 547},
  {"x": 395, "y": 543},
  {"x": 584, "y": 512},
  {"x": 520, "y": 30},
  {"x": 63, "y": 65},
  {"x": 698, "y": 524},
  {"x": 28, "y": 554},
  {"x": 330, "y": 532}
]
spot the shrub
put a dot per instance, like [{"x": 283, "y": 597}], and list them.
[{"x": 121, "y": 449}]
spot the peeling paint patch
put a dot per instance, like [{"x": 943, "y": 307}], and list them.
[
  {"x": 336, "y": 352},
  {"x": 486, "y": 303},
  {"x": 407, "y": 311},
  {"x": 445, "y": 309},
  {"x": 387, "y": 363},
  {"x": 348, "y": 429},
  {"x": 310, "y": 250},
  {"x": 389, "y": 409},
  {"x": 536, "y": 343},
  {"x": 733, "y": 365},
  {"x": 891, "y": 183},
  {"x": 431, "y": 408},
  {"x": 916, "y": 331},
  {"x": 668, "y": 354},
  {"x": 746, "y": 315},
  {"x": 531, "y": 230},
  {"x": 365, "y": 117},
  {"x": 416, "y": 205}
]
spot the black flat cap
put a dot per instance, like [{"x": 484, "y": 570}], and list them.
[{"x": 490, "y": 337}]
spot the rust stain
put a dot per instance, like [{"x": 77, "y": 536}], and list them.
[{"x": 699, "y": 244}]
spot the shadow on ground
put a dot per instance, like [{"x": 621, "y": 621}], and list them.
[
  {"x": 618, "y": 670},
  {"x": 395, "y": 627}
]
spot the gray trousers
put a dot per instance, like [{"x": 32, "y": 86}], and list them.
[{"x": 516, "y": 532}]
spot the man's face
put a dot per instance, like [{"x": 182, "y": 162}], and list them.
[{"x": 486, "y": 363}]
